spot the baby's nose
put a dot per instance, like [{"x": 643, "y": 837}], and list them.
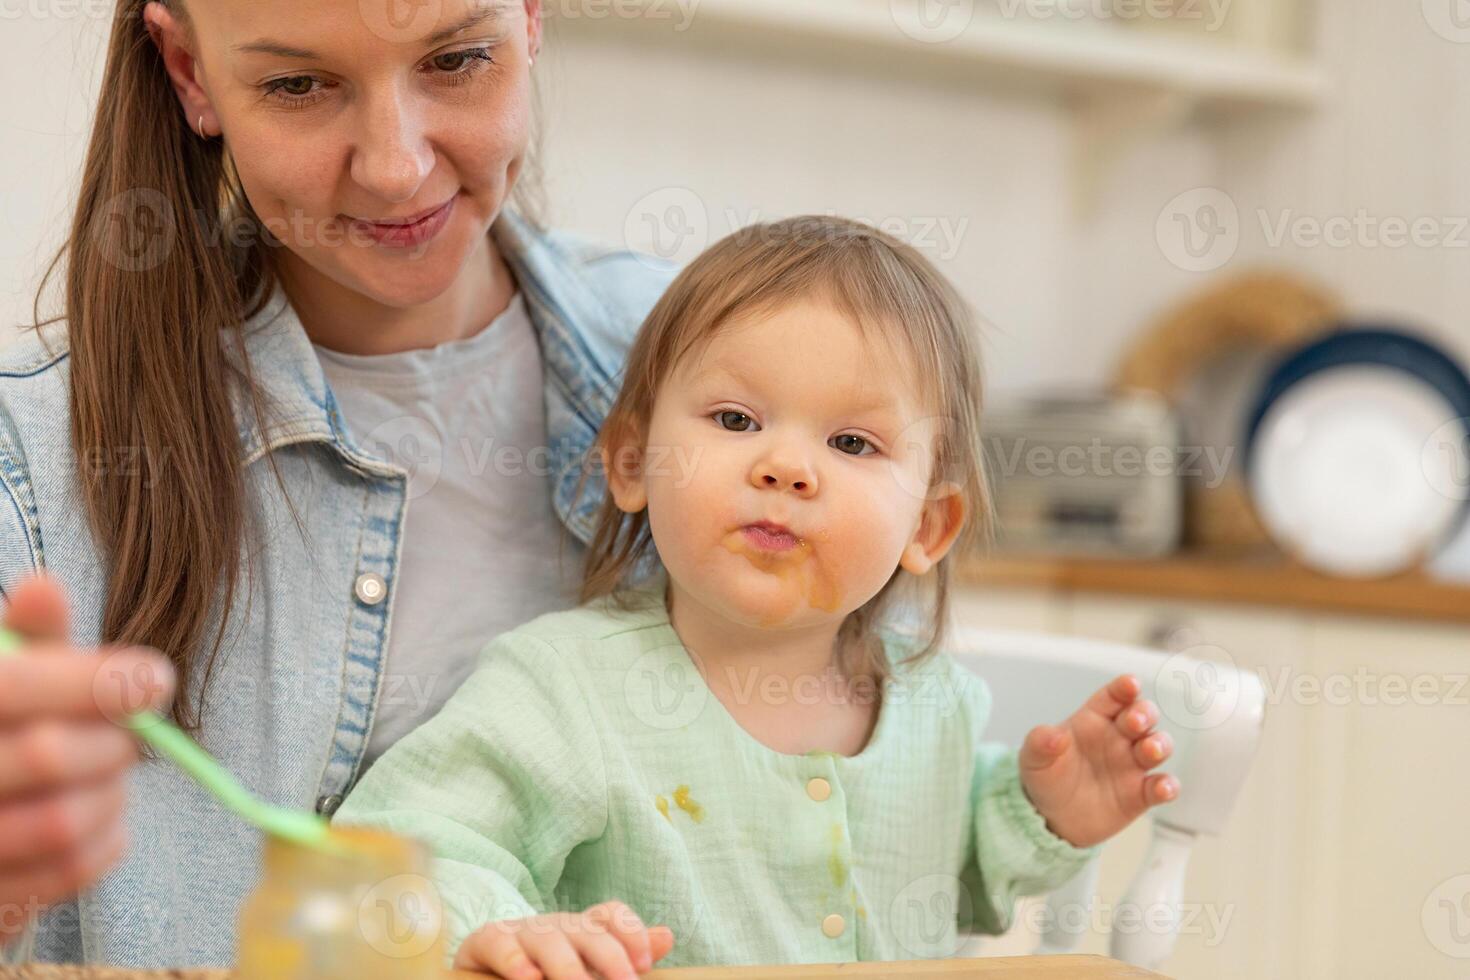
[{"x": 776, "y": 475}]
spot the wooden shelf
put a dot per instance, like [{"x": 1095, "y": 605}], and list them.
[
  {"x": 1268, "y": 580},
  {"x": 1087, "y": 59}
]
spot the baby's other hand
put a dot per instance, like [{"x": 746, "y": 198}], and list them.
[
  {"x": 1089, "y": 776},
  {"x": 608, "y": 938}
]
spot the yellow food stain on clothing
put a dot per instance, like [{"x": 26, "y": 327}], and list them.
[
  {"x": 663, "y": 807},
  {"x": 683, "y": 802},
  {"x": 836, "y": 862}
]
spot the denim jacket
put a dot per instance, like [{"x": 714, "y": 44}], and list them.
[{"x": 293, "y": 690}]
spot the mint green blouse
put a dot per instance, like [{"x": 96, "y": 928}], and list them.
[{"x": 585, "y": 759}]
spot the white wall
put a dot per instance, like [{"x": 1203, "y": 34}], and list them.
[
  {"x": 756, "y": 138},
  {"x": 780, "y": 134},
  {"x": 50, "y": 67},
  {"x": 1394, "y": 142}
]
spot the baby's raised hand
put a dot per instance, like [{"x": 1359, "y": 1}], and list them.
[
  {"x": 607, "y": 940},
  {"x": 1089, "y": 776}
]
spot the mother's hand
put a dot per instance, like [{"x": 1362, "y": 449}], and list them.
[{"x": 63, "y": 759}]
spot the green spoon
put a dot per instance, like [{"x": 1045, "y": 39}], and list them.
[{"x": 298, "y": 826}]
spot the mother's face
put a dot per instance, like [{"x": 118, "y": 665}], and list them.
[{"x": 341, "y": 111}]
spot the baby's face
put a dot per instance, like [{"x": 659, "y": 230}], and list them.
[{"x": 787, "y": 467}]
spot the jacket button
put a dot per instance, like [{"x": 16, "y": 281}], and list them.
[
  {"x": 370, "y": 588},
  {"x": 818, "y": 788},
  {"x": 833, "y": 925},
  {"x": 327, "y": 805}
]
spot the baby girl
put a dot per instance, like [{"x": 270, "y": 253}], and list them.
[{"x": 748, "y": 732}]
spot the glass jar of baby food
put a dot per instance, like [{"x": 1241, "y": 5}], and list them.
[{"x": 366, "y": 912}]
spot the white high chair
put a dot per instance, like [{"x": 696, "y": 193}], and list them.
[{"x": 1214, "y": 713}]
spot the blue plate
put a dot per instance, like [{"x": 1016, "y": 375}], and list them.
[
  {"x": 1356, "y": 450},
  {"x": 1381, "y": 345}
]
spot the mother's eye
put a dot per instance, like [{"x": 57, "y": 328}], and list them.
[
  {"x": 450, "y": 68},
  {"x": 287, "y": 90},
  {"x": 736, "y": 422},
  {"x": 475, "y": 60}
]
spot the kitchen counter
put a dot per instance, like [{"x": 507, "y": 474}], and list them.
[
  {"x": 1265, "y": 579},
  {"x": 1032, "y": 967}
]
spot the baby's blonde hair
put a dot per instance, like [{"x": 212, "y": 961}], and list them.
[{"x": 880, "y": 283}]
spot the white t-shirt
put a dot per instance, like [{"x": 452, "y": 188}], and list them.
[{"x": 483, "y": 550}]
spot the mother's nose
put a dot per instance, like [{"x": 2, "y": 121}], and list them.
[{"x": 391, "y": 152}]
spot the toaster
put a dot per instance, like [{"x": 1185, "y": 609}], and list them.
[{"x": 1086, "y": 475}]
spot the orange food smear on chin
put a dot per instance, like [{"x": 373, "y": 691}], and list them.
[{"x": 804, "y": 573}]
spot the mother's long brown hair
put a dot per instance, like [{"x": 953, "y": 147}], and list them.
[
  {"x": 165, "y": 261},
  {"x": 152, "y": 283}
]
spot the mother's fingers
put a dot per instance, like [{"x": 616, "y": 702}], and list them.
[
  {"x": 52, "y": 754},
  {"x": 61, "y": 876},
  {"x": 37, "y": 608},
  {"x": 68, "y": 683},
  {"x": 51, "y": 826}
]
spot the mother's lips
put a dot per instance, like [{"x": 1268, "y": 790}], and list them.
[{"x": 411, "y": 219}]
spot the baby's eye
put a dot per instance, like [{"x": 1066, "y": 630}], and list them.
[
  {"x": 851, "y": 444},
  {"x": 736, "y": 422}
]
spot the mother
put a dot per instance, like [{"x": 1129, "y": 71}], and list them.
[{"x": 204, "y": 447}]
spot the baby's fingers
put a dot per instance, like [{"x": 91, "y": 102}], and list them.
[
  {"x": 1042, "y": 745},
  {"x": 625, "y": 926},
  {"x": 1114, "y": 696},
  {"x": 496, "y": 948},
  {"x": 1149, "y": 752},
  {"x": 1160, "y": 788},
  {"x": 660, "y": 942},
  {"x": 558, "y": 953},
  {"x": 1138, "y": 718},
  {"x": 603, "y": 952}
]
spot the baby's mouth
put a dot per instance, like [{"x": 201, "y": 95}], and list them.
[
  {"x": 789, "y": 559},
  {"x": 770, "y": 537}
]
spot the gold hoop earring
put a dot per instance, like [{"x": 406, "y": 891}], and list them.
[{"x": 201, "y": 129}]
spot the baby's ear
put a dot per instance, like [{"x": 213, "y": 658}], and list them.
[
  {"x": 621, "y": 455},
  {"x": 940, "y": 524}
]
